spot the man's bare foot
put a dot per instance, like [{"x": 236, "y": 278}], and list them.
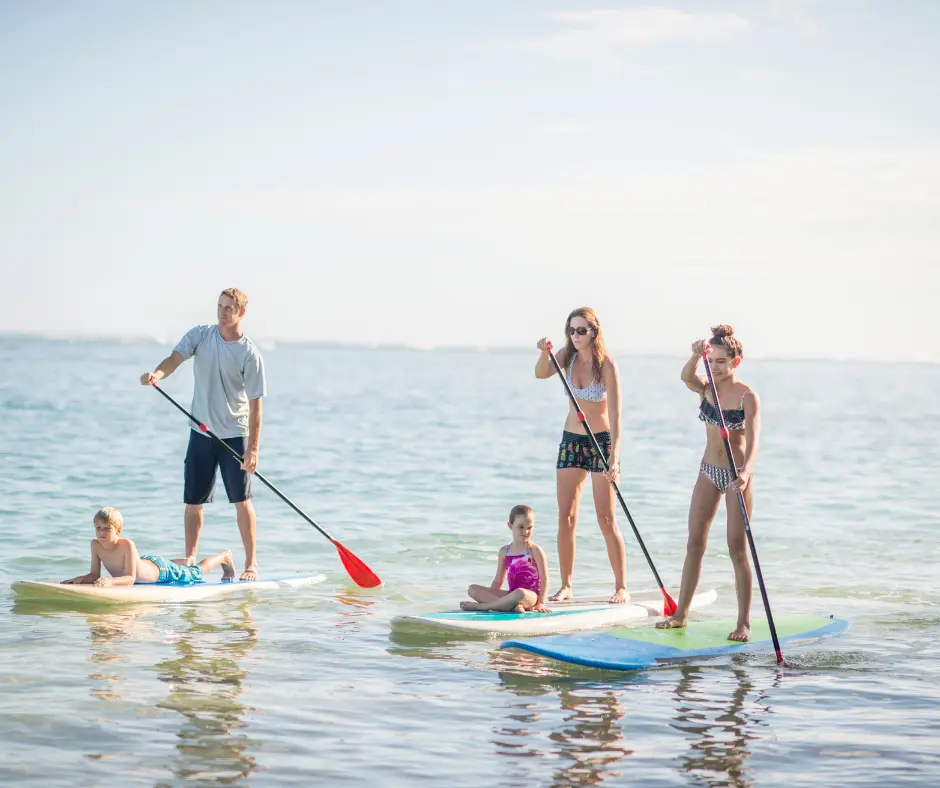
[
  {"x": 562, "y": 594},
  {"x": 741, "y": 634},
  {"x": 620, "y": 597},
  {"x": 519, "y": 608},
  {"x": 250, "y": 573},
  {"x": 469, "y": 605},
  {"x": 673, "y": 622},
  {"x": 228, "y": 567}
]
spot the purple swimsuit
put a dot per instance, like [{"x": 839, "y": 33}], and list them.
[{"x": 522, "y": 571}]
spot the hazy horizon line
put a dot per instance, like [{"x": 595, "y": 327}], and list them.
[{"x": 272, "y": 343}]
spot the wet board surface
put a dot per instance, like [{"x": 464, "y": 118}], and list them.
[
  {"x": 638, "y": 648},
  {"x": 213, "y": 589},
  {"x": 581, "y": 614}
]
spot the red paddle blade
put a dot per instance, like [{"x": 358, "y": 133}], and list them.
[
  {"x": 669, "y": 604},
  {"x": 358, "y": 571}
]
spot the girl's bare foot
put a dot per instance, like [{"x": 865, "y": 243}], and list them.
[
  {"x": 620, "y": 597},
  {"x": 469, "y": 605},
  {"x": 518, "y": 608},
  {"x": 562, "y": 594},
  {"x": 228, "y": 567},
  {"x": 741, "y": 634},
  {"x": 673, "y": 622}
]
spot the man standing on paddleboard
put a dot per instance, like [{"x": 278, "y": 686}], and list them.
[{"x": 228, "y": 386}]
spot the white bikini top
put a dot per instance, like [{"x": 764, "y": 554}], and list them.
[{"x": 595, "y": 392}]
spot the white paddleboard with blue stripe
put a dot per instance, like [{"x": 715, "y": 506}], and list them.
[
  {"x": 212, "y": 589},
  {"x": 646, "y": 647},
  {"x": 585, "y": 613}
]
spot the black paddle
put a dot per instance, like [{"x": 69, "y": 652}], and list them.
[
  {"x": 358, "y": 571},
  {"x": 669, "y": 604},
  {"x": 747, "y": 522}
]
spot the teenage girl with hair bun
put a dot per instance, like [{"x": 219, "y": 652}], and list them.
[{"x": 714, "y": 481}]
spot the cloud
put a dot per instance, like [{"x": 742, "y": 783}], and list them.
[
  {"x": 828, "y": 208},
  {"x": 792, "y": 15},
  {"x": 841, "y": 241},
  {"x": 838, "y": 240},
  {"x": 601, "y": 36},
  {"x": 566, "y": 127}
]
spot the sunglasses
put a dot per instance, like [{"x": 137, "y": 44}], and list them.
[{"x": 580, "y": 331}]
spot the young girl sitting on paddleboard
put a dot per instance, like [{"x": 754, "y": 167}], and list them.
[
  {"x": 714, "y": 482},
  {"x": 120, "y": 558},
  {"x": 523, "y": 562}
]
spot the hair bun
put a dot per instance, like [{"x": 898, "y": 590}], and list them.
[{"x": 720, "y": 331}]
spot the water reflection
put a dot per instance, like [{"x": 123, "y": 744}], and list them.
[
  {"x": 589, "y": 742},
  {"x": 416, "y": 640},
  {"x": 204, "y": 677},
  {"x": 580, "y": 717},
  {"x": 718, "y": 726},
  {"x": 356, "y": 609},
  {"x": 108, "y": 633},
  {"x": 205, "y": 681}
]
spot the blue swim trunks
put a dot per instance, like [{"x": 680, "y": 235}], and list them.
[{"x": 173, "y": 574}]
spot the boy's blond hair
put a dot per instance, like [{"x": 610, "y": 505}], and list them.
[
  {"x": 241, "y": 300},
  {"x": 110, "y": 516}
]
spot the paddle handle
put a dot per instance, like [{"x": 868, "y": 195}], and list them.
[
  {"x": 725, "y": 437},
  {"x": 238, "y": 457},
  {"x": 587, "y": 428}
]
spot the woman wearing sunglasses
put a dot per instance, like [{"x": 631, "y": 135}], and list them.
[{"x": 594, "y": 379}]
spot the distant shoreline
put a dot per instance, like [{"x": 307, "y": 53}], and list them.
[{"x": 270, "y": 345}]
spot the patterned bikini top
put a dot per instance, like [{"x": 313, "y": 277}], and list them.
[
  {"x": 595, "y": 392},
  {"x": 734, "y": 417}
]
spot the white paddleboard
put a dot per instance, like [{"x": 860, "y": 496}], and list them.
[
  {"x": 585, "y": 613},
  {"x": 37, "y": 590}
]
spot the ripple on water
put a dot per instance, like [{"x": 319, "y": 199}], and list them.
[{"x": 415, "y": 470}]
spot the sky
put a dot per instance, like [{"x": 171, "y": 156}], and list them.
[{"x": 437, "y": 174}]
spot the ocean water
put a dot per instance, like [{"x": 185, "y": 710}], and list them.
[{"x": 412, "y": 460}]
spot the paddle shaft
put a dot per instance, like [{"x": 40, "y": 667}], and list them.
[
  {"x": 237, "y": 456},
  {"x": 747, "y": 520},
  {"x": 597, "y": 448}
]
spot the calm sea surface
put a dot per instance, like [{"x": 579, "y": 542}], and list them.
[{"x": 413, "y": 459}]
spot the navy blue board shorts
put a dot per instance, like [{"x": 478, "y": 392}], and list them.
[{"x": 203, "y": 456}]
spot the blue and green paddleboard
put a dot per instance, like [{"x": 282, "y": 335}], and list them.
[{"x": 646, "y": 647}]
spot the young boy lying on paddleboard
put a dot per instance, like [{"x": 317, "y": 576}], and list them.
[
  {"x": 523, "y": 561},
  {"x": 120, "y": 558}
]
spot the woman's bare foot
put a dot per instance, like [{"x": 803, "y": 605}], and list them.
[
  {"x": 673, "y": 622},
  {"x": 228, "y": 567},
  {"x": 469, "y": 605},
  {"x": 620, "y": 597},
  {"x": 562, "y": 594},
  {"x": 741, "y": 634},
  {"x": 519, "y": 608}
]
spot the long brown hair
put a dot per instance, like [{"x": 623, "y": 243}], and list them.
[{"x": 598, "y": 351}]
